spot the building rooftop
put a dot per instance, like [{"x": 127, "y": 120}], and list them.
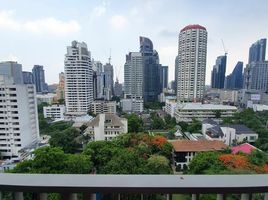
[
  {"x": 209, "y": 121},
  {"x": 241, "y": 129},
  {"x": 193, "y": 26},
  {"x": 198, "y": 146},
  {"x": 200, "y": 106},
  {"x": 245, "y": 148},
  {"x": 110, "y": 120}
]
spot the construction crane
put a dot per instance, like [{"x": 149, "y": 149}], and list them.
[{"x": 225, "y": 50}]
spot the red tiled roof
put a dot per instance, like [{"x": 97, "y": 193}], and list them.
[
  {"x": 197, "y": 146},
  {"x": 193, "y": 26},
  {"x": 245, "y": 148}
]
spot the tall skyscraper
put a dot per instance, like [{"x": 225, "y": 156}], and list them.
[
  {"x": 151, "y": 73},
  {"x": 27, "y": 77},
  {"x": 98, "y": 79},
  {"x": 257, "y": 51},
  {"x": 78, "y": 79},
  {"x": 234, "y": 81},
  {"x": 39, "y": 79},
  {"x": 61, "y": 87},
  {"x": 108, "y": 81},
  {"x": 218, "y": 73},
  {"x": 133, "y": 75},
  {"x": 191, "y": 67},
  {"x": 13, "y": 70},
  {"x": 256, "y": 71},
  {"x": 176, "y": 74},
  {"x": 18, "y": 113},
  {"x": 163, "y": 77},
  {"x": 118, "y": 88}
]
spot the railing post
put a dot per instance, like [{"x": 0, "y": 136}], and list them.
[
  {"x": 141, "y": 196},
  {"x": 0, "y": 195},
  {"x": 18, "y": 195},
  {"x": 265, "y": 196},
  {"x": 245, "y": 196},
  {"x": 42, "y": 196},
  {"x": 169, "y": 197},
  {"x": 220, "y": 197},
  {"x": 71, "y": 196},
  {"x": 195, "y": 196},
  {"x": 87, "y": 196}
]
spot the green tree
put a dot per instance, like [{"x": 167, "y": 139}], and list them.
[
  {"x": 218, "y": 114},
  {"x": 157, "y": 164},
  {"x": 195, "y": 126},
  {"x": 65, "y": 140},
  {"x": 135, "y": 124}
]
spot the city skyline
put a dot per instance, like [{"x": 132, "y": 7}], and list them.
[{"x": 40, "y": 35}]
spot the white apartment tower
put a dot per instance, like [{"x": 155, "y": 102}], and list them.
[
  {"x": 78, "y": 79},
  {"x": 191, "y": 63},
  {"x": 133, "y": 75},
  {"x": 18, "y": 116}
]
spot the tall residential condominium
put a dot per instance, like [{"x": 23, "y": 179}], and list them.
[
  {"x": 18, "y": 115},
  {"x": 218, "y": 72},
  {"x": 163, "y": 72},
  {"x": 151, "y": 72},
  {"x": 61, "y": 87},
  {"x": 78, "y": 79},
  {"x": 257, "y": 51},
  {"x": 192, "y": 54},
  {"x": 108, "y": 81},
  {"x": 27, "y": 77},
  {"x": 13, "y": 70},
  {"x": 39, "y": 79},
  {"x": 133, "y": 75},
  {"x": 234, "y": 81}
]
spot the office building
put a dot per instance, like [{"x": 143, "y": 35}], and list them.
[
  {"x": 98, "y": 80},
  {"x": 18, "y": 115},
  {"x": 108, "y": 81},
  {"x": 234, "y": 81},
  {"x": 218, "y": 73},
  {"x": 27, "y": 77},
  {"x": 98, "y": 107},
  {"x": 106, "y": 127},
  {"x": 191, "y": 63},
  {"x": 61, "y": 87},
  {"x": 12, "y": 70},
  {"x": 163, "y": 73},
  {"x": 151, "y": 70},
  {"x": 118, "y": 89},
  {"x": 257, "y": 51},
  {"x": 132, "y": 105},
  {"x": 39, "y": 79},
  {"x": 78, "y": 79}
]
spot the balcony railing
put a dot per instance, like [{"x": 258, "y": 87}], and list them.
[{"x": 69, "y": 185}]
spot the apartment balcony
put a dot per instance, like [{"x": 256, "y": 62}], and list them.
[{"x": 69, "y": 185}]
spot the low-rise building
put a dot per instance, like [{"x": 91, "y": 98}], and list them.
[
  {"x": 98, "y": 107},
  {"x": 187, "y": 111},
  {"x": 222, "y": 96},
  {"x": 185, "y": 150},
  {"x": 171, "y": 106},
  {"x": 132, "y": 105},
  {"x": 229, "y": 134},
  {"x": 54, "y": 112},
  {"x": 259, "y": 107},
  {"x": 106, "y": 127},
  {"x": 46, "y": 98},
  {"x": 247, "y": 98}
]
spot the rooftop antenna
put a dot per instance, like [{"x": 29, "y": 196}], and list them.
[
  {"x": 110, "y": 57},
  {"x": 225, "y": 50}
]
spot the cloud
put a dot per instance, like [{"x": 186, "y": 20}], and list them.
[
  {"x": 40, "y": 26},
  {"x": 10, "y": 57},
  {"x": 100, "y": 10},
  {"x": 118, "y": 21},
  {"x": 168, "y": 33}
]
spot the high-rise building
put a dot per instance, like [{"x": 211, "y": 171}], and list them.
[
  {"x": 176, "y": 74},
  {"x": 234, "y": 81},
  {"x": 78, "y": 79},
  {"x": 12, "y": 70},
  {"x": 18, "y": 114},
  {"x": 39, "y": 79},
  {"x": 61, "y": 87},
  {"x": 163, "y": 77},
  {"x": 118, "y": 89},
  {"x": 98, "y": 79},
  {"x": 218, "y": 73},
  {"x": 151, "y": 72},
  {"x": 108, "y": 81},
  {"x": 133, "y": 75},
  {"x": 256, "y": 71},
  {"x": 27, "y": 77},
  {"x": 257, "y": 51},
  {"x": 191, "y": 67}
]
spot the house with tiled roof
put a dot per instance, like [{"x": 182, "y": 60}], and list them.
[
  {"x": 106, "y": 127},
  {"x": 244, "y": 148},
  {"x": 185, "y": 150}
]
